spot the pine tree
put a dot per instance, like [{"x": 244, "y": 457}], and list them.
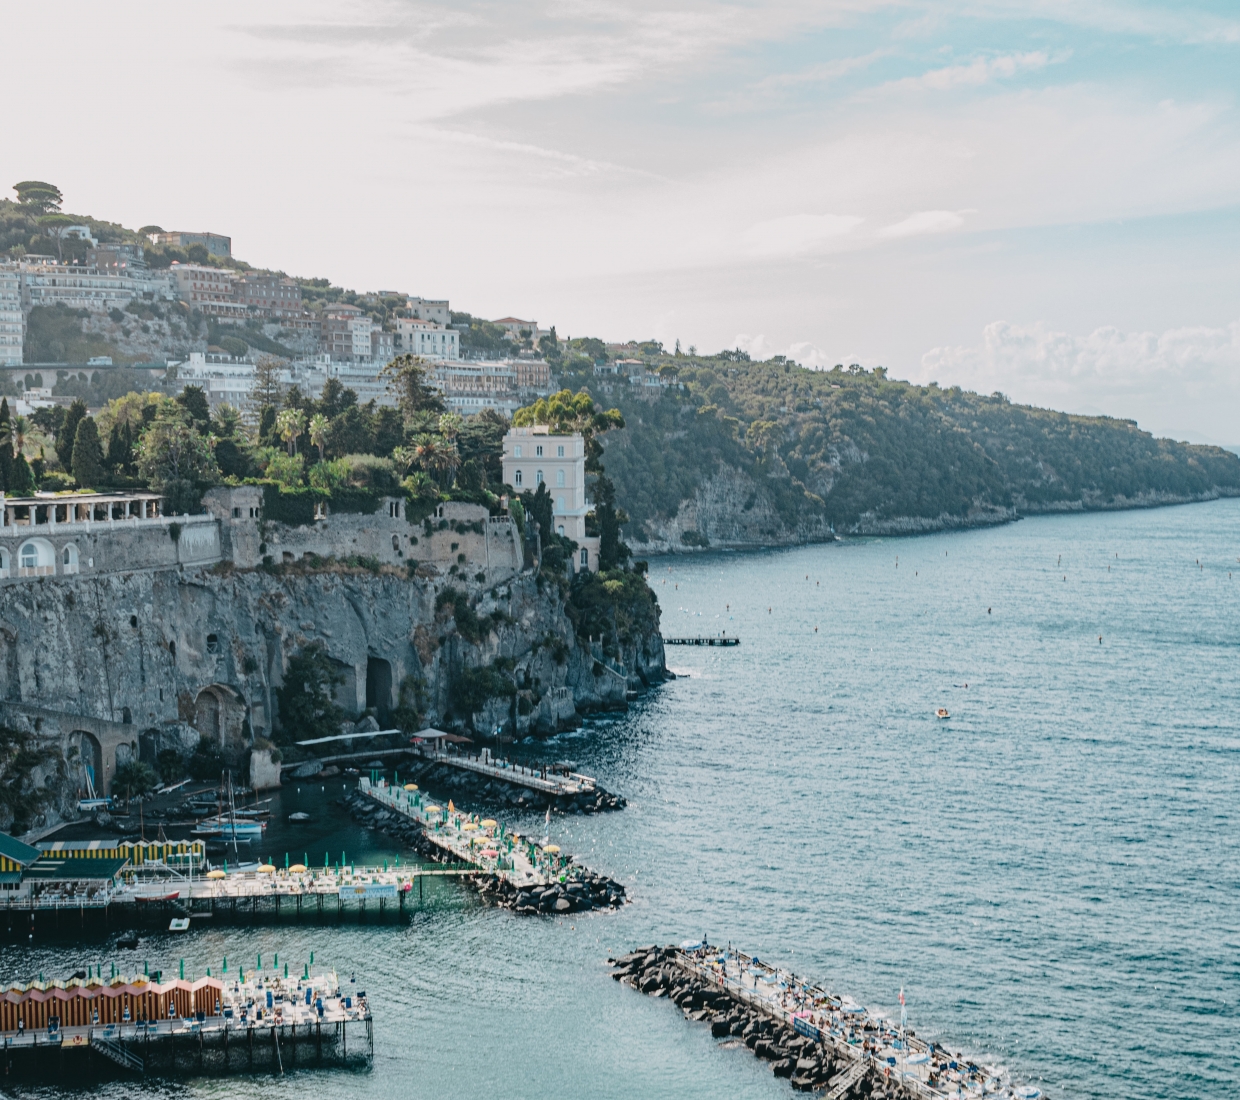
[
  {"x": 87, "y": 457},
  {"x": 6, "y": 446},
  {"x": 68, "y": 433}
]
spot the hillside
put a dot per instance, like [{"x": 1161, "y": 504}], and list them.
[{"x": 768, "y": 453}]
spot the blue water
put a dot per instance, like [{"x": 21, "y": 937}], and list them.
[{"x": 1051, "y": 874}]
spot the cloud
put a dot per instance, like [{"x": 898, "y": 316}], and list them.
[
  {"x": 927, "y": 221},
  {"x": 796, "y": 233},
  {"x": 801, "y": 351},
  {"x": 1167, "y": 380},
  {"x": 974, "y": 74}
]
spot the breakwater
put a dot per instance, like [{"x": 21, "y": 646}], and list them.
[
  {"x": 520, "y": 787},
  {"x": 819, "y": 1040},
  {"x": 513, "y": 871}
]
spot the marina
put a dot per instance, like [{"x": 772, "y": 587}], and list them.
[
  {"x": 255, "y": 1020},
  {"x": 823, "y": 1042},
  {"x": 716, "y": 640}
]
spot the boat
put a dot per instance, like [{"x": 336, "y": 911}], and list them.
[
  {"x": 178, "y": 924},
  {"x": 299, "y": 816},
  {"x": 941, "y": 713},
  {"x": 241, "y": 830},
  {"x": 155, "y": 893}
]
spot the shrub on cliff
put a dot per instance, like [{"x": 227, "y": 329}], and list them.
[
  {"x": 21, "y": 799},
  {"x": 473, "y": 687},
  {"x": 616, "y": 605},
  {"x": 468, "y": 624},
  {"x": 307, "y": 708}
]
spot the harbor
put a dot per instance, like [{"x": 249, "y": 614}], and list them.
[
  {"x": 822, "y": 1042},
  {"x": 252, "y": 1021}
]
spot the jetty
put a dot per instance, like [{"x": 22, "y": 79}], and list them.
[
  {"x": 704, "y": 639},
  {"x": 822, "y": 1042},
  {"x": 258, "y": 1020},
  {"x": 514, "y": 871}
]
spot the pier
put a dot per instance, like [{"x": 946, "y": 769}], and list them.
[
  {"x": 823, "y": 1042},
  {"x": 252, "y": 1022},
  {"x": 701, "y": 639}
]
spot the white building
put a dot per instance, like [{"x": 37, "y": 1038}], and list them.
[
  {"x": 12, "y": 320},
  {"x": 514, "y": 326},
  {"x": 533, "y": 457},
  {"x": 429, "y": 309},
  {"x": 44, "y": 282},
  {"x": 427, "y": 339}
]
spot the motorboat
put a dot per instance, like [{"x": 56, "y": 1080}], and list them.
[
  {"x": 156, "y": 892},
  {"x": 941, "y": 713},
  {"x": 299, "y": 816}
]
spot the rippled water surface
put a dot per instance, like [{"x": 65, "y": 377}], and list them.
[{"x": 1051, "y": 874}]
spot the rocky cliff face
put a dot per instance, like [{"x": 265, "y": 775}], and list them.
[
  {"x": 730, "y": 509},
  {"x": 111, "y": 667}
]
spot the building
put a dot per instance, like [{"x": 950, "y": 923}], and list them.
[
  {"x": 427, "y": 339},
  {"x": 518, "y": 329},
  {"x": 118, "y": 257},
  {"x": 215, "y": 243},
  {"x": 210, "y": 290},
  {"x": 12, "y": 319},
  {"x": 471, "y": 386},
  {"x": 382, "y": 346},
  {"x": 269, "y": 296},
  {"x": 345, "y": 333},
  {"x": 533, "y": 457},
  {"x": 533, "y": 375},
  {"x": 44, "y": 282},
  {"x": 429, "y": 309}
]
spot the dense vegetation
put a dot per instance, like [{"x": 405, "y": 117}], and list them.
[{"x": 857, "y": 448}]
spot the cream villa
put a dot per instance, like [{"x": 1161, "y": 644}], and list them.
[{"x": 533, "y": 457}]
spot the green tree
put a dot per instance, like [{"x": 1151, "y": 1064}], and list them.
[
  {"x": 307, "y": 707},
  {"x": 176, "y": 459},
  {"x": 319, "y": 425},
  {"x": 134, "y": 778},
  {"x": 87, "y": 461},
  {"x": 6, "y": 446},
  {"x": 68, "y": 433},
  {"x": 193, "y": 399},
  {"x": 268, "y": 389},
  {"x": 290, "y": 423},
  {"x": 406, "y": 379},
  {"x": 36, "y": 197},
  {"x": 612, "y": 550}
]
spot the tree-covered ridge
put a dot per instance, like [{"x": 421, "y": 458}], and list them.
[{"x": 855, "y": 447}]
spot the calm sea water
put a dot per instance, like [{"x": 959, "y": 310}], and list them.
[{"x": 1051, "y": 874}]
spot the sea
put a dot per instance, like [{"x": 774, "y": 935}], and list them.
[{"x": 1051, "y": 874}]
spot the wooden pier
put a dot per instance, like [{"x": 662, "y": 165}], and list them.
[{"x": 716, "y": 639}]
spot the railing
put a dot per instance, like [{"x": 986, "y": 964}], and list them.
[{"x": 116, "y": 1053}]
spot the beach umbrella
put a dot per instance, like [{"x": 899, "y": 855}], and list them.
[
  {"x": 488, "y": 823},
  {"x": 411, "y": 786},
  {"x": 297, "y": 868},
  {"x": 551, "y": 849},
  {"x": 469, "y": 826},
  {"x": 266, "y": 868},
  {"x": 217, "y": 873}
]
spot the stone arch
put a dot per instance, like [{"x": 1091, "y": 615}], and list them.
[
  {"x": 69, "y": 558},
  {"x": 219, "y": 716},
  {"x": 379, "y": 686},
  {"x": 89, "y": 762},
  {"x": 36, "y": 558}
]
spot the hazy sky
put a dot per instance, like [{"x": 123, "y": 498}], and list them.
[{"x": 1041, "y": 197}]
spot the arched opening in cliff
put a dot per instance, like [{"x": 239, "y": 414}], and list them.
[
  {"x": 379, "y": 686},
  {"x": 219, "y": 715},
  {"x": 88, "y": 758}
]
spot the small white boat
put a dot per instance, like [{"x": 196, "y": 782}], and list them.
[
  {"x": 178, "y": 924},
  {"x": 1027, "y": 1092},
  {"x": 941, "y": 713},
  {"x": 299, "y": 816}
]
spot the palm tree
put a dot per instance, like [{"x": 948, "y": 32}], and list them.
[
  {"x": 290, "y": 423},
  {"x": 319, "y": 425},
  {"x": 21, "y": 428}
]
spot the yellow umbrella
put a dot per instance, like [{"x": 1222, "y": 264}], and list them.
[
  {"x": 297, "y": 868},
  {"x": 266, "y": 868},
  {"x": 217, "y": 873},
  {"x": 433, "y": 810},
  {"x": 468, "y": 826},
  {"x": 411, "y": 786},
  {"x": 552, "y": 849},
  {"x": 489, "y": 824}
]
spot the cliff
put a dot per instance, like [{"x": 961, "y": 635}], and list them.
[
  {"x": 745, "y": 454},
  {"x": 104, "y": 669}
]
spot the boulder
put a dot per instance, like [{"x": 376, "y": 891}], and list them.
[
  {"x": 783, "y": 1068},
  {"x": 563, "y": 905}
]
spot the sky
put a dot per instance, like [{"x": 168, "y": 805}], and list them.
[{"x": 1041, "y": 197}]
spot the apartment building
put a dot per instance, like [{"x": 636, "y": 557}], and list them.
[
  {"x": 44, "y": 282},
  {"x": 532, "y": 375},
  {"x": 514, "y": 326},
  {"x": 216, "y": 244},
  {"x": 429, "y": 309},
  {"x": 210, "y": 290},
  {"x": 345, "y": 333},
  {"x": 269, "y": 296},
  {"x": 382, "y": 346},
  {"x": 427, "y": 339},
  {"x": 471, "y": 386},
  {"x": 12, "y": 319},
  {"x": 533, "y": 457}
]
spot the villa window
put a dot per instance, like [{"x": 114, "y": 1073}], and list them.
[
  {"x": 516, "y": 451},
  {"x": 560, "y": 451},
  {"x": 516, "y": 478},
  {"x": 585, "y": 558},
  {"x": 559, "y": 478},
  {"x": 30, "y": 557},
  {"x": 538, "y": 478},
  {"x": 561, "y": 529},
  {"x": 538, "y": 451}
]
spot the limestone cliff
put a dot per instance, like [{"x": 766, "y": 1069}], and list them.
[{"x": 104, "y": 668}]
